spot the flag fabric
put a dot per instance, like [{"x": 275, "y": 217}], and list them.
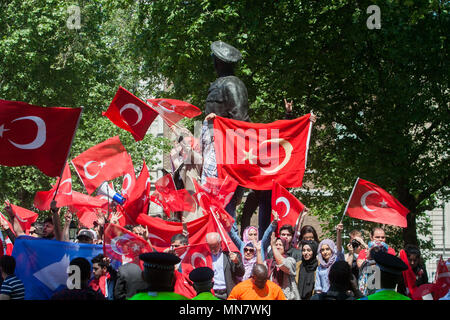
[
  {"x": 102, "y": 162},
  {"x": 129, "y": 179},
  {"x": 288, "y": 207},
  {"x": 42, "y": 264},
  {"x": 254, "y": 153},
  {"x": 157, "y": 198},
  {"x": 210, "y": 204},
  {"x": 221, "y": 190},
  {"x": 409, "y": 276},
  {"x": 122, "y": 245},
  {"x": 197, "y": 255},
  {"x": 442, "y": 282},
  {"x": 161, "y": 231},
  {"x": 130, "y": 113},
  {"x": 173, "y": 199},
  {"x": 138, "y": 197},
  {"x": 371, "y": 203},
  {"x": 87, "y": 208},
  {"x": 172, "y": 110},
  {"x": 25, "y": 217},
  {"x": 43, "y": 199},
  {"x": 38, "y": 136}
]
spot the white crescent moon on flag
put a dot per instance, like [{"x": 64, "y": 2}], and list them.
[
  {"x": 136, "y": 109},
  {"x": 287, "y": 149},
  {"x": 69, "y": 180},
  {"x": 165, "y": 109},
  {"x": 363, "y": 200},
  {"x": 114, "y": 246},
  {"x": 197, "y": 255},
  {"x": 286, "y": 203},
  {"x": 88, "y": 175},
  {"x": 147, "y": 183},
  {"x": 40, "y": 138},
  {"x": 151, "y": 235},
  {"x": 127, "y": 178}
]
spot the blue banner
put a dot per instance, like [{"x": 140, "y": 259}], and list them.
[{"x": 42, "y": 264}]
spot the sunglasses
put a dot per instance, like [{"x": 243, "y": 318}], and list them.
[{"x": 249, "y": 250}]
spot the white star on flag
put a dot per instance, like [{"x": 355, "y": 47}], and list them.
[{"x": 249, "y": 156}]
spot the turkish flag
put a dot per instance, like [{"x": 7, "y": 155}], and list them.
[
  {"x": 25, "y": 217},
  {"x": 161, "y": 231},
  {"x": 157, "y": 198},
  {"x": 9, "y": 223},
  {"x": 442, "y": 283},
  {"x": 172, "y": 110},
  {"x": 39, "y": 136},
  {"x": 130, "y": 113},
  {"x": 129, "y": 179},
  {"x": 87, "y": 208},
  {"x": 173, "y": 199},
  {"x": 102, "y": 162},
  {"x": 139, "y": 197},
  {"x": 371, "y": 203},
  {"x": 409, "y": 276},
  {"x": 183, "y": 285},
  {"x": 43, "y": 199},
  {"x": 122, "y": 245},
  {"x": 197, "y": 255},
  {"x": 255, "y": 153},
  {"x": 288, "y": 207},
  {"x": 221, "y": 190},
  {"x": 210, "y": 204}
]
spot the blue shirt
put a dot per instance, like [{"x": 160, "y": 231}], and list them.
[
  {"x": 219, "y": 274},
  {"x": 322, "y": 282},
  {"x": 13, "y": 287}
]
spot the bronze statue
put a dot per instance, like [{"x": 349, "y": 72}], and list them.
[{"x": 227, "y": 96}]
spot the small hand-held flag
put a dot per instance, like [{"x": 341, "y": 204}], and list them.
[
  {"x": 130, "y": 113},
  {"x": 288, "y": 207},
  {"x": 371, "y": 203}
]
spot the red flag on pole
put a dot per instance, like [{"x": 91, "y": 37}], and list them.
[
  {"x": 371, "y": 203},
  {"x": 409, "y": 276},
  {"x": 254, "y": 154},
  {"x": 288, "y": 207},
  {"x": 122, "y": 245},
  {"x": 130, "y": 113},
  {"x": 172, "y": 110},
  {"x": 102, "y": 162},
  {"x": 197, "y": 255},
  {"x": 39, "y": 136},
  {"x": 43, "y": 199},
  {"x": 129, "y": 179},
  {"x": 25, "y": 217},
  {"x": 139, "y": 197}
]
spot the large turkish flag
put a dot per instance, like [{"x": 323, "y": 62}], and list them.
[
  {"x": 172, "y": 110},
  {"x": 254, "y": 154},
  {"x": 39, "y": 136},
  {"x": 371, "y": 203},
  {"x": 130, "y": 113}
]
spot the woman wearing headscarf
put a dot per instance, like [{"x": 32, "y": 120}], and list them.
[
  {"x": 251, "y": 234},
  {"x": 249, "y": 259},
  {"x": 282, "y": 268},
  {"x": 327, "y": 254},
  {"x": 306, "y": 269}
]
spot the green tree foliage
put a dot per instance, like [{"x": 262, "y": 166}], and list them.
[
  {"x": 381, "y": 95},
  {"x": 43, "y": 62}
]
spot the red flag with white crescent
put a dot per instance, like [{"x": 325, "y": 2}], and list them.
[
  {"x": 197, "y": 255},
  {"x": 43, "y": 199},
  {"x": 122, "y": 245},
  {"x": 138, "y": 197},
  {"x": 130, "y": 113},
  {"x": 254, "y": 154},
  {"x": 409, "y": 276},
  {"x": 371, "y": 203},
  {"x": 286, "y": 205},
  {"x": 129, "y": 179},
  {"x": 172, "y": 110},
  {"x": 102, "y": 162},
  {"x": 38, "y": 136}
]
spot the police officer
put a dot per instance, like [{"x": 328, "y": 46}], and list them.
[
  {"x": 159, "y": 273},
  {"x": 202, "y": 279},
  {"x": 391, "y": 268}
]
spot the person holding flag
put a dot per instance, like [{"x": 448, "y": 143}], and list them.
[{"x": 227, "y": 266}]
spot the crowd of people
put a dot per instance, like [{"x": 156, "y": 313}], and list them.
[{"x": 288, "y": 265}]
